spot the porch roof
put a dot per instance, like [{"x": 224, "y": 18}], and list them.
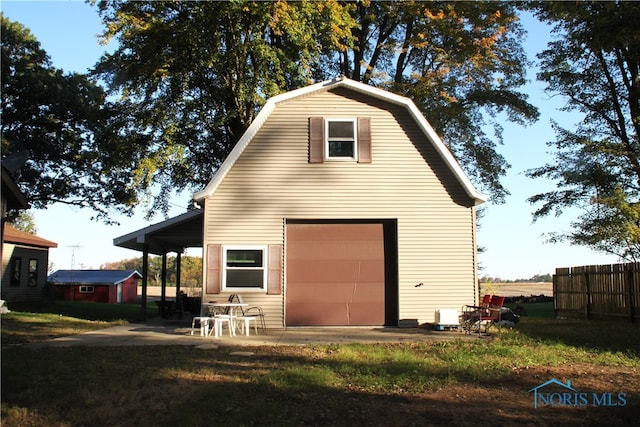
[{"x": 172, "y": 235}]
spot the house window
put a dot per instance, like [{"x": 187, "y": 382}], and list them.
[
  {"x": 33, "y": 272},
  {"x": 86, "y": 289},
  {"x": 16, "y": 271},
  {"x": 244, "y": 268},
  {"x": 340, "y": 143},
  {"x": 339, "y": 139}
]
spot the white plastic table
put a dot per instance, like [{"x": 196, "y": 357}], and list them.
[{"x": 233, "y": 307}]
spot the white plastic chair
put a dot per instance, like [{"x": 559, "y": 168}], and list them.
[
  {"x": 217, "y": 321},
  {"x": 204, "y": 319},
  {"x": 253, "y": 313}
]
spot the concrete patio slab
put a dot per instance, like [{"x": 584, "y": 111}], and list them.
[{"x": 160, "y": 332}]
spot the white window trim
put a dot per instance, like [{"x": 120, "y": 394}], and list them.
[
  {"x": 265, "y": 270},
  {"x": 353, "y": 120},
  {"x": 87, "y": 289}
]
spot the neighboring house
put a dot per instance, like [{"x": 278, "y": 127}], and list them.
[
  {"x": 25, "y": 259},
  {"x": 340, "y": 205},
  {"x": 108, "y": 286}
]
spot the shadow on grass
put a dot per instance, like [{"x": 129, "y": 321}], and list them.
[
  {"x": 540, "y": 324},
  {"x": 94, "y": 311},
  {"x": 614, "y": 337},
  {"x": 168, "y": 386}
]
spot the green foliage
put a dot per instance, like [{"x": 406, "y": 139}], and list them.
[
  {"x": 192, "y": 76},
  {"x": 594, "y": 64},
  {"x": 190, "y": 269},
  {"x": 460, "y": 62},
  {"x": 65, "y": 123},
  {"x": 24, "y": 221}
]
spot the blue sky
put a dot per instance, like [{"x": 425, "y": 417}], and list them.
[{"x": 515, "y": 248}]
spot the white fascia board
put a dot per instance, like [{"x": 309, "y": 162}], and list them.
[
  {"x": 133, "y": 273},
  {"x": 266, "y": 111}
]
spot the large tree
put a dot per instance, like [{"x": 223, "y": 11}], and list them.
[
  {"x": 460, "y": 62},
  {"x": 194, "y": 74},
  {"x": 594, "y": 63},
  {"x": 65, "y": 125}
]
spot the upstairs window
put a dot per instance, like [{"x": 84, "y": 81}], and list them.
[{"x": 341, "y": 139}]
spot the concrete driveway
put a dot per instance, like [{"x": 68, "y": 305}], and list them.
[{"x": 173, "y": 332}]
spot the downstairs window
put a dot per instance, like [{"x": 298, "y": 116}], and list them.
[{"x": 244, "y": 268}]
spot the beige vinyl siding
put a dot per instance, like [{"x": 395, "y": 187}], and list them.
[{"x": 407, "y": 180}]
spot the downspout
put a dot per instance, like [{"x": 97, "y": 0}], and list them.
[{"x": 476, "y": 286}]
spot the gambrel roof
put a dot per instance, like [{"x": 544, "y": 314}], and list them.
[{"x": 383, "y": 95}]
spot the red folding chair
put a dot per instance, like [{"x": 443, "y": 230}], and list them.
[
  {"x": 472, "y": 311},
  {"x": 485, "y": 317}
]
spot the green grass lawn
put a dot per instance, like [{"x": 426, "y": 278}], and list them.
[
  {"x": 36, "y": 322},
  {"x": 478, "y": 382},
  {"x": 86, "y": 310},
  {"x": 542, "y": 309}
]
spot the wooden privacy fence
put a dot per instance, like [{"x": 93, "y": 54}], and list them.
[{"x": 598, "y": 292}]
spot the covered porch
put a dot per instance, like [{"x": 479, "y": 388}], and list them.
[{"x": 172, "y": 235}]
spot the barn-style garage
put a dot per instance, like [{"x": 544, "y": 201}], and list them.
[{"x": 340, "y": 206}]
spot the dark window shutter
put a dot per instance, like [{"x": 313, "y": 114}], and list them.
[
  {"x": 316, "y": 140},
  {"x": 274, "y": 276},
  {"x": 214, "y": 269},
  {"x": 364, "y": 140}
]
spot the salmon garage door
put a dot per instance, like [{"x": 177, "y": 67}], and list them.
[{"x": 335, "y": 274}]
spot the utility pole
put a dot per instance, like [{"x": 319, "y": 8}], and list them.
[{"x": 73, "y": 253}]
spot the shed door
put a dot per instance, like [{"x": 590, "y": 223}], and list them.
[{"x": 335, "y": 274}]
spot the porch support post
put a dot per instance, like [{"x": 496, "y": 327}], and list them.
[
  {"x": 145, "y": 275},
  {"x": 163, "y": 288},
  {"x": 179, "y": 301}
]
